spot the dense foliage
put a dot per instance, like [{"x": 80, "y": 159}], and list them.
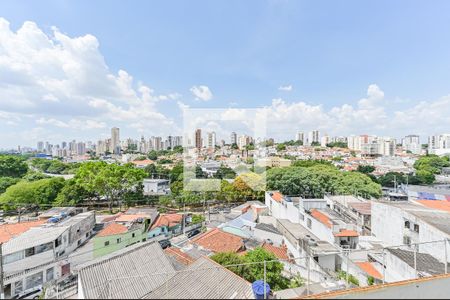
[
  {"x": 316, "y": 180},
  {"x": 337, "y": 145},
  {"x": 54, "y": 166},
  {"x": 251, "y": 267},
  {"x": 12, "y": 166}
]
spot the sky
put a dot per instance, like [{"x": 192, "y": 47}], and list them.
[{"x": 74, "y": 69}]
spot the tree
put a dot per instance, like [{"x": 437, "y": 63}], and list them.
[
  {"x": 33, "y": 176},
  {"x": 153, "y": 155},
  {"x": 251, "y": 267},
  {"x": 109, "y": 180},
  {"x": 234, "y": 146},
  {"x": 365, "y": 169},
  {"x": 40, "y": 192},
  {"x": 337, "y": 145},
  {"x": 225, "y": 173},
  {"x": 6, "y": 182},
  {"x": 12, "y": 166},
  {"x": 73, "y": 194},
  {"x": 281, "y": 147}
]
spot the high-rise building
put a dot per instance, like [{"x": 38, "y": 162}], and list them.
[
  {"x": 81, "y": 148},
  {"x": 40, "y": 146},
  {"x": 64, "y": 145},
  {"x": 198, "y": 138},
  {"x": 211, "y": 140},
  {"x": 233, "y": 138},
  {"x": 300, "y": 137},
  {"x": 115, "y": 141},
  {"x": 313, "y": 137},
  {"x": 439, "y": 144},
  {"x": 244, "y": 140},
  {"x": 412, "y": 143},
  {"x": 325, "y": 140}
]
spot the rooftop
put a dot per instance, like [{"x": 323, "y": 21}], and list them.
[
  {"x": 368, "y": 268},
  {"x": 113, "y": 229},
  {"x": 267, "y": 227},
  {"x": 346, "y": 233},
  {"x": 217, "y": 240},
  {"x": 279, "y": 252},
  {"x": 364, "y": 208},
  {"x": 33, "y": 237},
  {"x": 167, "y": 220},
  {"x": 426, "y": 263},
  {"x": 321, "y": 217},
  {"x": 436, "y": 204},
  {"x": 178, "y": 258},
  {"x": 9, "y": 231},
  {"x": 129, "y": 273},
  {"x": 204, "y": 279}
]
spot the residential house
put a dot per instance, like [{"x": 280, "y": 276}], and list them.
[
  {"x": 216, "y": 241},
  {"x": 167, "y": 225},
  {"x": 39, "y": 254}
]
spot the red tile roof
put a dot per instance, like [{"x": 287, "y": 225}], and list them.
[
  {"x": 277, "y": 196},
  {"x": 280, "y": 252},
  {"x": 111, "y": 218},
  {"x": 9, "y": 231},
  {"x": 167, "y": 220},
  {"x": 129, "y": 218},
  {"x": 436, "y": 204},
  {"x": 369, "y": 269},
  {"x": 113, "y": 229},
  {"x": 346, "y": 233},
  {"x": 179, "y": 255},
  {"x": 322, "y": 218},
  {"x": 217, "y": 240}
]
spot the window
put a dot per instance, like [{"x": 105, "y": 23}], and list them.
[
  {"x": 407, "y": 224},
  {"x": 416, "y": 228},
  {"x": 18, "y": 287},
  {"x": 302, "y": 216},
  {"x": 119, "y": 240},
  {"x": 106, "y": 243},
  {"x": 49, "y": 274},
  {"x": 87, "y": 234},
  {"x": 79, "y": 242},
  {"x": 58, "y": 241},
  {"x": 308, "y": 223},
  {"x": 29, "y": 252},
  {"x": 43, "y": 248},
  {"x": 34, "y": 280},
  {"x": 10, "y": 258},
  {"x": 133, "y": 235}
]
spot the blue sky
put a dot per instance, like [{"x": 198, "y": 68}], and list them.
[{"x": 330, "y": 52}]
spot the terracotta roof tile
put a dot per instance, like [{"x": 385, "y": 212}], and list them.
[
  {"x": 167, "y": 220},
  {"x": 369, "y": 269},
  {"x": 9, "y": 231},
  {"x": 277, "y": 196},
  {"x": 346, "y": 233},
  {"x": 179, "y": 255},
  {"x": 322, "y": 218},
  {"x": 113, "y": 229},
  {"x": 217, "y": 240},
  {"x": 436, "y": 204},
  {"x": 280, "y": 252},
  {"x": 129, "y": 218}
]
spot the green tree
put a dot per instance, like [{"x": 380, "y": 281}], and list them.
[
  {"x": 33, "y": 176},
  {"x": 109, "y": 180},
  {"x": 40, "y": 192},
  {"x": 6, "y": 182},
  {"x": 225, "y": 173},
  {"x": 73, "y": 194},
  {"x": 281, "y": 147},
  {"x": 337, "y": 145},
  {"x": 365, "y": 169},
  {"x": 153, "y": 155},
  {"x": 234, "y": 261},
  {"x": 12, "y": 166}
]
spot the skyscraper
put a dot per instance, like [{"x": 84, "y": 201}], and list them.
[
  {"x": 198, "y": 138},
  {"x": 412, "y": 143},
  {"x": 115, "y": 141},
  {"x": 211, "y": 140},
  {"x": 40, "y": 146},
  {"x": 233, "y": 138},
  {"x": 300, "y": 137}
]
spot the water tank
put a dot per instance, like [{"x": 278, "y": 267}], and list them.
[{"x": 258, "y": 289}]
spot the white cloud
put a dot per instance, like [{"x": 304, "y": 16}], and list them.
[
  {"x": 201, "y": 92},
  {"x": 54, "y": 77},
  {"x": 285, "y": 88}
]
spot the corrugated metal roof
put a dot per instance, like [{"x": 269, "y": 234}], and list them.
[
  {"x": 204, "y": 279},
  {"x": 33, "y": 237},
  {"x": 129, "y": 273}
]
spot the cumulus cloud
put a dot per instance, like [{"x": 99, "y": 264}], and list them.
[
  {"x": 285, "y": 88},
  {"x": 201, "y": 92},
  {"x": 65, "y": 82}
]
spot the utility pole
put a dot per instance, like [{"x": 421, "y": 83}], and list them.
[{"x": 2, "y": 288}]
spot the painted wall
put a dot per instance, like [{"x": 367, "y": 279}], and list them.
[{"x": 126, "y": 239}]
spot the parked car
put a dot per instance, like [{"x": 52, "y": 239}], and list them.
[
  {"x": 165, "y": 244},
  {"x": 193, "y": 233}
]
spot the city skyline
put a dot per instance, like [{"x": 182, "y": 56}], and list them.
[{"x": 61, "y": 79}]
